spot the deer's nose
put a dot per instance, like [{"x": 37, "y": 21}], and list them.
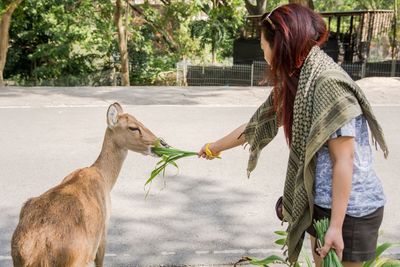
[
  {"x": 159, "y": 143},
  {"x": 163, "y": 143}
]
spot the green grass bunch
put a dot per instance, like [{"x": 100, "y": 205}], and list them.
[
  {"x": 169, "y": 156},
  {"x": 331, "y": 259}
]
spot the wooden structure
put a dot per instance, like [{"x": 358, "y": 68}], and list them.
[{"x": 351, "y": 35}]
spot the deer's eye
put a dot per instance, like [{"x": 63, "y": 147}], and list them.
[{"x": 135, "y": 129}]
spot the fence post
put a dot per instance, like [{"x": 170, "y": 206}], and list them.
[
  {"x": 184, "y": 72},
  {"x": 363, "y": 69},
  {"x": 393, "y": 69},
  {"x": 252, "y": 74},
  {"x": 177, "y": 74}
]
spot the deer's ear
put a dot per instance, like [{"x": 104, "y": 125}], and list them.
[
  {"x": 118, "y": 107},
  {"x": 112, "y": 114}
]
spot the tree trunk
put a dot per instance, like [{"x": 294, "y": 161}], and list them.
[
  {"x": 307, "y": 3},
  {"x": 257, "y": 9},
  {"x": 395, "y": 51},
  {"x": 122, "y": 43},
  {"x": 5, "y": 21},
  {"x": 213, "y": 50}
]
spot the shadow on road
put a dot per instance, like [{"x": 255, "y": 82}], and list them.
[
  {"x": 205, "y": 226},
  {"x": 191, "y": 222},
  {"x": 8, "y": 222}
]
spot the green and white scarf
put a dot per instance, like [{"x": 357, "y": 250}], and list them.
[{"x": 326, "y": 99}]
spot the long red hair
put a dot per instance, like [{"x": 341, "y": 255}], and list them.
[{"x": 295, "y": 29}]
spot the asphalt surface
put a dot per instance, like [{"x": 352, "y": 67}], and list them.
[{"x": 207, "y": 214}]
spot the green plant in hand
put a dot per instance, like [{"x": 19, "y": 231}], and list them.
[{"x": 331, "y": 259}]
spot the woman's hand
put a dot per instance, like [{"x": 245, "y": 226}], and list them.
[
  {"x": 333, "y": 239},
  {"x": 233, "y": 139},
  {"x": 212, "y": 147}
]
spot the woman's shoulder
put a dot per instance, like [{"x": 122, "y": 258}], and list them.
[
  {"x": 335, "y": 74},
  {"x": 334, "y": 82}
]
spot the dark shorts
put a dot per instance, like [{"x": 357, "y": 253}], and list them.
[{"x": 360, "y": 234}]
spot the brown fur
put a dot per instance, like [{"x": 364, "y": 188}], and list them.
[{"x": 66, "y": 226}]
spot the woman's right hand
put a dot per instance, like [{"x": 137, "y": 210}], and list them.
[{"x": 212, "y": 147}]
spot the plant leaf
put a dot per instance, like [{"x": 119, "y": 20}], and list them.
[
  {"x": 280, "y": 242},
  {"x": 268, "y": 260},
  {"x": 281, "y": 233},
  {"x": 391, "y": 263},
  {"x": 379, "y": 250}
]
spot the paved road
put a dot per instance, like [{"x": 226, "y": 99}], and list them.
[{"x": 209, "y": 213}]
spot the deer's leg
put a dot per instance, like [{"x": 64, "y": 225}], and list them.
[{"x": 99, "y": 260}]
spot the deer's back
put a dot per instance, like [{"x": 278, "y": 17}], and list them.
[{"x": 63, "y": 223}]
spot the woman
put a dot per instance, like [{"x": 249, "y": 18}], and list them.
[{"x": 324, "y": 115}]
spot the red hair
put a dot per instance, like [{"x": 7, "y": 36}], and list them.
[{"x": 291, "y": 31}]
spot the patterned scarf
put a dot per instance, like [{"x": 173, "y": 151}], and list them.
[{"x": 326, "y": 99}]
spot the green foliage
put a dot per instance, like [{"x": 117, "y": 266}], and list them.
[
  {"x": 347, "y": 5},
  {"x": 220, "y": 27},
  {"x": 271, "y": 4},
  {"x": 50, "y": 40},
  {"x": 267, "y": 261},
  {"x": 67, "y": 42},
  {"x": 174, "y": 32},
  {"x": 321, "y": 227},
  {"x": 4, "y": 4},
  {"x": 379, "y": 261},
  {"x": 54, "y": 42},
  {"x": 270, "y": 259},
  {"x": 163, "y": 39}
]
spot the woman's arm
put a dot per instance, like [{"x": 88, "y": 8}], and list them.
[
  {"x": 233, "y": 139},
  {"x": 341, "y": 151}
]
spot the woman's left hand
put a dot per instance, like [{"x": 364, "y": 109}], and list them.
[
  {"x": 212, "y": 147},
  {"x": 333, "y": 239}
]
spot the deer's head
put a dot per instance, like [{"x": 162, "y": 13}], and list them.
[{"x": 127, "y": 132}]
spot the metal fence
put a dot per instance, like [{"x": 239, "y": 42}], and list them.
[
  {"x": 372, "y": 69},
  {"x": 212, "y": 75},
  {"x": 255, "y": 74}
]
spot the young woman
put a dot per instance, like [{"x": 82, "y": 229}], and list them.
[{"x": 324, "y": 115}]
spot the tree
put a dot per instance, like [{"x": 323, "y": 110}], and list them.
[
  {"x": 62, "y": 43},
  {"x": 122, "y": 42},
  {"x": 5, "y": 21},
  {"x": 224, "y": 19},
  {"x": 256, "y": 9},
  {"x": 307, "y": 3}
]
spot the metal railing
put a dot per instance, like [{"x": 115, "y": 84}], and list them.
[
  {"x": 255, "y": 74},
  {"x": 214, "y": 75}
]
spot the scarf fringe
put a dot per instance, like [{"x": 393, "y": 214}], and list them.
[{"x": 379, "y": 140}]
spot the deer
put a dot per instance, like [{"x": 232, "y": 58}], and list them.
[{"x": 67, "y": 225}]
